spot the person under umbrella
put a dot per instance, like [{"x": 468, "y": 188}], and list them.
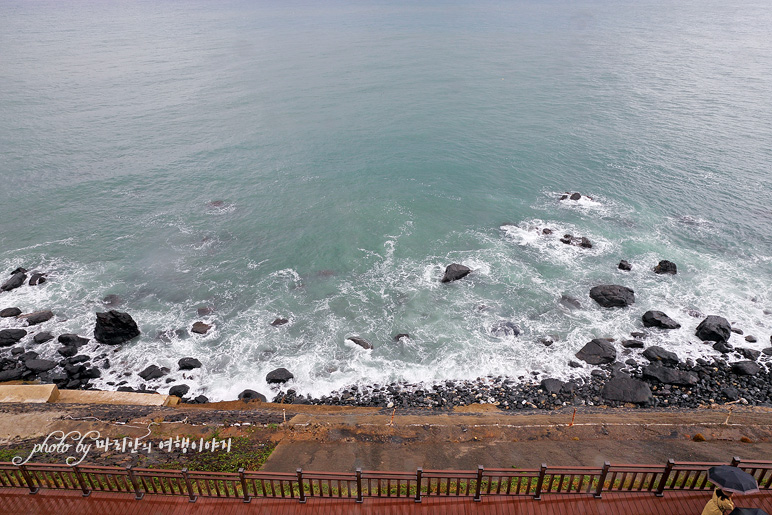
[{"x": 728, "y": 480}]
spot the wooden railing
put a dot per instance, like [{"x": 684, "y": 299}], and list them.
[{"x": 244, "y": 485}]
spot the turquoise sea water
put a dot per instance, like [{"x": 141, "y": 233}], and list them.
[{"x": 324, "y": 161}]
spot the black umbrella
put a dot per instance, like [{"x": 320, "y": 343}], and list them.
[
  {"x": 732, "y": 479},
  {"x": 748, "y": 511}
]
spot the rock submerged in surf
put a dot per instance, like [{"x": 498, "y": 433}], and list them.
[
  {"x": 361, "y": 342},
  {"x": 454, "y": 272},
  {"x": 666, "y": 267},
  {"x": 612, "y": 295},
  {"x": 624, "y": 265},
  {"x": 505, "y": 328},
  {"x": 570, "y": 302},
  {"x": 279, "y": 321},
  {"x": 115, "y": 327}
]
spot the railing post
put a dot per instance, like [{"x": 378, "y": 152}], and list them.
[
  {"x": 664, "y": 478},
  {"x": 735, "y": 462},
  {"x": 137, "y": 494},
  {"x": 301, "y": 488},
  {"x": 191, "y": 497},
  {"x": 81, "y": 482},
  {"x": 540, "y": 482},
  {"x": 244, "y": 491},
  {"x": 418, "y": 479},
  {"x": 478, "y": 488},
  {"x": 28, "y": 479},
  {"x": 359, "y": 485},
  {"x": 602, "y": 480}
]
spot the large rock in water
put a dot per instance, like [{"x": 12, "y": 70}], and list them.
[
  {"x": 666, "y": 267},
  {"x": 189, "y": 363},
  {"x": 38, "y": 317},
  {"x": 454, "y": 272},
  {"x": 657, "y": 354},
  {"x": 670, "y": 375},
  {"x": 278, "y": 376},
  {"x": 597, "y": 352},
  {"x": 14, "y": 282},
  {"x": 714, "y": 328},
  {"x": 659, "y": 319},
  {"x": 10, "y": 312},
  {"x": 361, "y": 342},
  {"x": 626, "y": 389},
  {"x": 10, "y": 337},
  {"x": 115, "y": 327},
  {"x": 612, "y": 295}
]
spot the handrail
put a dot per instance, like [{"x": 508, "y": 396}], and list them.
[{"x": 245, "y": 485}]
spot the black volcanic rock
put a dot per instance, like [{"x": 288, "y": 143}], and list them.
[
  {"x": 278, "y": 376},
  {"x": 249, "y": 395},
  {"x": 72, "y": 340},
  {"x": 14, "y": 282},
  {"x": 597, "y": 352},
  {"x": 9, "y": 337},
  {"x": 505, "y": 328},
  {"x": 625, "y": 389},
  {"x": 179, "y": 390},
  {"x": 361, "y": 342},
  {"x": 612, "y": 295},
  {"x": 454, "y": 272},
  {"x": 200, "y": 328},
  {"x": 10, "y": 312},
  {"x": 659, "y": 319},
  {"x": 624, "y": 265},
  {"x": 43, "y": 337},
  {"x": 115, "y": 327},
  {"x": 551, "y": 385},
  {"x": 714, "y": 328},
  {"x": 189, "y": 363},
  {"x": 39, "y": 317},
  {"x": 37, "y": 279},
  {"x": 666, "y": 267},
  {"x": 152, "y": 372},
  {"x": 570, "y": 302},
  {"x": 670, "y": 375},
  {"x": 746, "y": 368},
  {"x": 40, "y": 365},
  {"x": 658, "y": 354},
  {"x": 632, "y": 344},
  {"x": 279, "y": 321}
]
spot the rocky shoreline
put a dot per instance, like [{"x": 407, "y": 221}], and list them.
[{"x": 653, "y": 378}]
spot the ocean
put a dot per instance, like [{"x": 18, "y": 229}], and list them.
[{"x": 325, "y": 161}]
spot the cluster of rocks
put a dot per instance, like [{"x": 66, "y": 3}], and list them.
[
  {"x": 660, "y": 383},
  {"x": 71, "y": 369},
  {"x": 19, "y": 277}
]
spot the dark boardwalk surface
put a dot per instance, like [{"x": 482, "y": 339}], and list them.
[{"x": 48, "y": 502}]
